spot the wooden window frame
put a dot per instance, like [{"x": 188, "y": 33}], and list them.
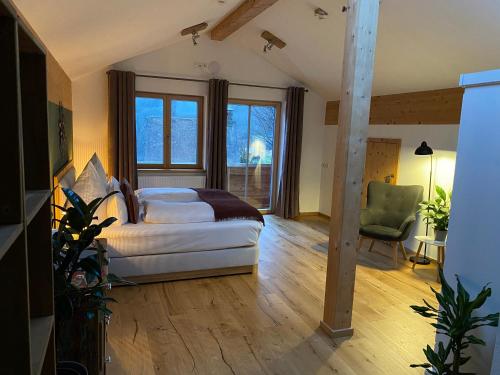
[
  {"x": 167, "y": 131},
  {"x": 276, "y": 146}
]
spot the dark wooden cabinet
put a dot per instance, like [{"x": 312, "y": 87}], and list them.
[{"x": 26, "y": 277}]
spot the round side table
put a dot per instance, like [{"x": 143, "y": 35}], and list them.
[{"x": 441, "y": 245}]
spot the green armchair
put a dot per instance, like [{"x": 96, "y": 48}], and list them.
[{"x": 389, "y": 215}]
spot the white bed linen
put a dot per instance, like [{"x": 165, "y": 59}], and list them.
[
  {"x": 163, "y": 212},
  {"x": 147, "y": 239},
  {"x": 168, "y": 194}
]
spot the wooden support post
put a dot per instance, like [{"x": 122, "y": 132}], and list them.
[{"x": 359, "y": 53}]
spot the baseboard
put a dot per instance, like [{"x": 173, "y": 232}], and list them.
[
  {"x": 314, "y": 213},
  {"x": 336, "y": 333},
  {"x": 310, "y": 213}
]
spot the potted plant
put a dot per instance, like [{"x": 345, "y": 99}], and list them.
[
  {"x": 437, "y": 213},
  {"x": 454, "y": 318},
  {"x": 79, "y": 277}
]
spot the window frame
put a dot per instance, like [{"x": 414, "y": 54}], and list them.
[
  {"x": 276, "y": 147},
  {"x": 167, "y": 131}
]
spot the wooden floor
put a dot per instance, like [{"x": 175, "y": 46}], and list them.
[{"x": 267, "y": 323}]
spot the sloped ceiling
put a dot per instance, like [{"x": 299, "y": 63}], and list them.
[
  {"x": 422, "y": 44},
  {"x": 86, "y": 35}
]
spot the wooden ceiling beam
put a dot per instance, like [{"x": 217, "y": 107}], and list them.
[{"x": 239, "y": 17}]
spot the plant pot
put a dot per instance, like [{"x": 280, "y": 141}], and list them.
[{"x": 440, "y": 235}]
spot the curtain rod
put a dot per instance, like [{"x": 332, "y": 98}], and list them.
[{"x": 206, "y": 81}]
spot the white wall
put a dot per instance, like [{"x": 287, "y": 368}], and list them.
[
  {"x": 413, "y": 170},
  {"x": 473, "y": 253},
  {"x": 90, "y": 119},
  {"x": 236, "y": 64},
  {"x": 312, "y": 138}
]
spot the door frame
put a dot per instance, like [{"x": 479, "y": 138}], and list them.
[{"x": 276, "y": 144}]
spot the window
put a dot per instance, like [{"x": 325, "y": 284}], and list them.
[
  {"x": 252, "y": 128},
  {"x": 169, "y": 131}
]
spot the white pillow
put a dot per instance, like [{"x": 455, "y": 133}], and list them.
[
  {"x": 116, "y": 203},
  {"x": 90, "y": 186},
  {"x": 98, "y": 166},
  {"x": 68, "y": 180}
]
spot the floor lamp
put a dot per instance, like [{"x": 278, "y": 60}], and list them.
[{"x": 424, "y": 150}]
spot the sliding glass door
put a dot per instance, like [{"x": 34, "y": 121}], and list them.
[{"x": 252, "y": 134}]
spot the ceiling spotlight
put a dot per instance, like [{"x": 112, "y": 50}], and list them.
[
  {"x": 194, "y": 31},
  {"x": 271, "y": 41},
  {"x": 320, "y": 13},
  {"x": 268, "y": 47},
  {"x": 195, "y": 36}
]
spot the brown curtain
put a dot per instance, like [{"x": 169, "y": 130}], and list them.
[
  {"x": 121, "y": 126},
  {"x": 216, "y": 139},
  {"x": 287, "y": 205}
]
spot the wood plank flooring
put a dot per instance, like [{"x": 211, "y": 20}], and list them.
[{"x": 267, "y": 323}]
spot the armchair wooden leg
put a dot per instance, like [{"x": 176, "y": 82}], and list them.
[
  {"x": 403, "y": 250},
  {"x": 360, "y": 242},
  {"x": 395, "y": 254},
  {"x": 371, "y": 245},
  {"x": 418, "y": 255}
]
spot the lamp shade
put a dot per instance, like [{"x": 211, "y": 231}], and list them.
[{"x": 424, "y": 149}]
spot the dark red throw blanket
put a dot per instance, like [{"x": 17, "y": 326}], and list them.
[{"x": 228, "y": 206}]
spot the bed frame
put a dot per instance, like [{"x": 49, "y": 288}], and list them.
[
  {"x": 67, "y": 175},
  {"x": 187, "y": 275}
]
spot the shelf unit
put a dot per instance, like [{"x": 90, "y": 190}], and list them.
[{"x": 26, "y": 273}]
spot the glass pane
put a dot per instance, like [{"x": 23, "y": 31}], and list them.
[
  {"x": 149, "y": 128},
  {"x": 260, "y": 166},
  {"x": 184, "y": 132},
  {"x": 237, "y": 148}
]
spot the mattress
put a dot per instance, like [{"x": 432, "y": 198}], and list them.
[{"x": 149, "y": 239}]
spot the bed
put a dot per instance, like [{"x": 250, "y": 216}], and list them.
[{"x": 146, "y": 252}]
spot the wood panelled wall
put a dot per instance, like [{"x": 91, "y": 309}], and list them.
[
  {"x": 436, "y": 107},
  {"x": 60, "y": 109},
  {"x": 58, "y": 84}
]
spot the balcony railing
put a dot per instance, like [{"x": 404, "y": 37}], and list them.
[{"x": 258, "y": 178}]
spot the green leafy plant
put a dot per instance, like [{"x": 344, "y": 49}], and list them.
[
  {"x": 79, "y": 280},
  {"x": 437, "y": 212},
  {"x": 454, "y": 319}
]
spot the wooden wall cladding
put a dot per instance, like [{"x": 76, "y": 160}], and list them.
[
  {"x": 58, "y": 84},
  {"x": 436, "y": 107},
  {"x": 59, "y": 108}
]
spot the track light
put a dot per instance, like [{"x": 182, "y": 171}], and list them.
[
  {"x": 194, "y": 31},
  {"x": 195, "y": 36},
  {"x": 320, "y": 13},
  {"x": 268, "y": 46},
  {"x": 271, "y": 41}
]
